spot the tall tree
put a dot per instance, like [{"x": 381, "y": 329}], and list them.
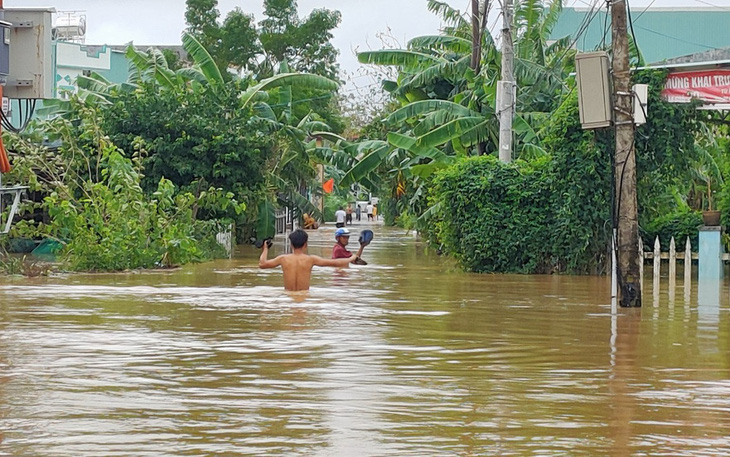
[
  {"x": 304, "y": 43},
  {"x": 202, "y": 19},
  {"x": 240, "y": 44}
]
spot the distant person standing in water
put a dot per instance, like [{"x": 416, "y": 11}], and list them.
[
  {"x": 370, "y": 211},
  {"x": 348, "y": 218},
  {"x": 340, "y": 217},
  {"x": 297, "y": 266}
]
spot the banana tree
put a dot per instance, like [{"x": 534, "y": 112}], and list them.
[{"x": 293, "y": 169}]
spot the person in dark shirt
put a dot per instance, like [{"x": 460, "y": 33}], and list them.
[{"x": 339, "y": 251}]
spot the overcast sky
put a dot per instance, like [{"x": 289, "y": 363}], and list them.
[{"x": 161, "y": 22}]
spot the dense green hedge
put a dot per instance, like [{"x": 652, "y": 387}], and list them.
[
  {"x": 554, "y": 214},
  {"x": 517, "y": 217},
  {"x": 548, "y": 215}
]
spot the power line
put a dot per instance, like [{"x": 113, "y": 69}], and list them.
[
  {"x": 714, "y": 6},
  {"x": 675, "y": 38},
  {"x": 645, "y": 9}
]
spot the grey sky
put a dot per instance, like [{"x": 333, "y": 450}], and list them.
[{"x": 162, "y": 21}]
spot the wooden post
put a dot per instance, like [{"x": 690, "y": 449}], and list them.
[
  {"x": 641, "y": 261},
  {"x": 672, "y": 269},
  {"x": 625, "y": 162},
  {"x": 687, "y": 270},
  {"x": 657, "y": 264},
  {"x": 672, "y": 259}
]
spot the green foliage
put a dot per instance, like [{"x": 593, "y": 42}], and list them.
[
  {"x": 282, "y": 35},
  {"x": 551, "y": 214},
  {"x": 188, "y": 139},
  {"x": 10, "y": 265},
  {"x": 332, "y": 203},
  {"x": 114, "y": 226},
  {"x": 88, "y": 195},
  {"x": 305, "y": 43},
  {"x": 495, "y": 216},
  {"x": 679, "y": 225}
]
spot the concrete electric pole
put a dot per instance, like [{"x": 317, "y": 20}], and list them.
[
  {"x": 626, "y": 207},
  {"x": 506, "y": 85}
]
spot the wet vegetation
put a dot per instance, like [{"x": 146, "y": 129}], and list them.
[{"x": 144, "y": 173}]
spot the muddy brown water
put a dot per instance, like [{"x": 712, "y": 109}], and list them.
[{"x": 407, "y": 356}]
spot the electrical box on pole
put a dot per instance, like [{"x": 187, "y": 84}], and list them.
[
  {"x": 641, "y": 102},
  {"x": 31, "y": 62},
  {"x": 5, "y": 29},
  {"x": 594, "y": 89}
]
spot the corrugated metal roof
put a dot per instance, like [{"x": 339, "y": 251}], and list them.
[{"x": 662, "y": 33}]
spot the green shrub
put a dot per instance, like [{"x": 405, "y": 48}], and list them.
[
  {"x": 495, "y": 216},
  {"x": 549, "y": 215},
  {"x": 115, "y": 226},
  {"x": 680, "y": 225}
]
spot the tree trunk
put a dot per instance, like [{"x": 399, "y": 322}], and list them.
[{"x": 476, "y": 36}]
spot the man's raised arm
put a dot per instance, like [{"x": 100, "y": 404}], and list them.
[
  {"x": 264, "y": 262},
  {"x": 320, "y": 262}
]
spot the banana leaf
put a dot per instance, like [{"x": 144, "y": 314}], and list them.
[
  {"x": 451, "y": 43},
  {"x": 365, "y": 166},
  {"x": 203, "y": 59},
  {"x": 426, "y": 106},
  {"x": 449, "y": 131},
  {"x": 407, "y": 59},
  {"x": 266, "y": 225},
  {"x": 294, "y": 79}
]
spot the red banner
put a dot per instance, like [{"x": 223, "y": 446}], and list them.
[{"x": 711, "y": 86}]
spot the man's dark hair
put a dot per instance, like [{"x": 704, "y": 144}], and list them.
[{"x": 298, "y": 238}]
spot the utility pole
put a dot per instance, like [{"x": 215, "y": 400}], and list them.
[
  {"x": 506, "y": 86},
  {"x": 478, "y": 26},
  {"x": 626, "y": 207}
]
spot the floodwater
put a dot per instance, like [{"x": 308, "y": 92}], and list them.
[{"x": 404, "y": 357}]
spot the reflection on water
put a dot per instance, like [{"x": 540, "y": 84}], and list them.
[{"x": 406, "y": 356}]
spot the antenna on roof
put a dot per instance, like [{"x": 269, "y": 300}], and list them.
[{"x": 70, "y": 26}]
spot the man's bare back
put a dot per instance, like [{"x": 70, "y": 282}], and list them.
[{"x": 297, "y": 266}]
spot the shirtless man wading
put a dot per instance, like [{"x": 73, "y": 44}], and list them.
[{"x": 297, "y": 266}]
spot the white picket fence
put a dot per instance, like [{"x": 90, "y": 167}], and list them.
[
  {"x": 226, "y": 238},
  {"x": 672, "y": 256}
]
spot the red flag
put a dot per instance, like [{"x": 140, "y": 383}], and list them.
[{"x": 329, "y": 186}]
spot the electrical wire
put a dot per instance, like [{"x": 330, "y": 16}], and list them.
[
  {"x": 24, "y": 115},
  {"x": 585, "y": 23},
  {"x": 633, "y": 34},
  {"x": 605, "y": 27},
  {"x": 645, "y": 9},
  {"x": 714, "y": 6},
  {"x": 675, "y": 38}
]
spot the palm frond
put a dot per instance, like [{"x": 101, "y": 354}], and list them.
[
  {"x": 264, "y": 111},
  {"x": 447, "y": 13}
]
